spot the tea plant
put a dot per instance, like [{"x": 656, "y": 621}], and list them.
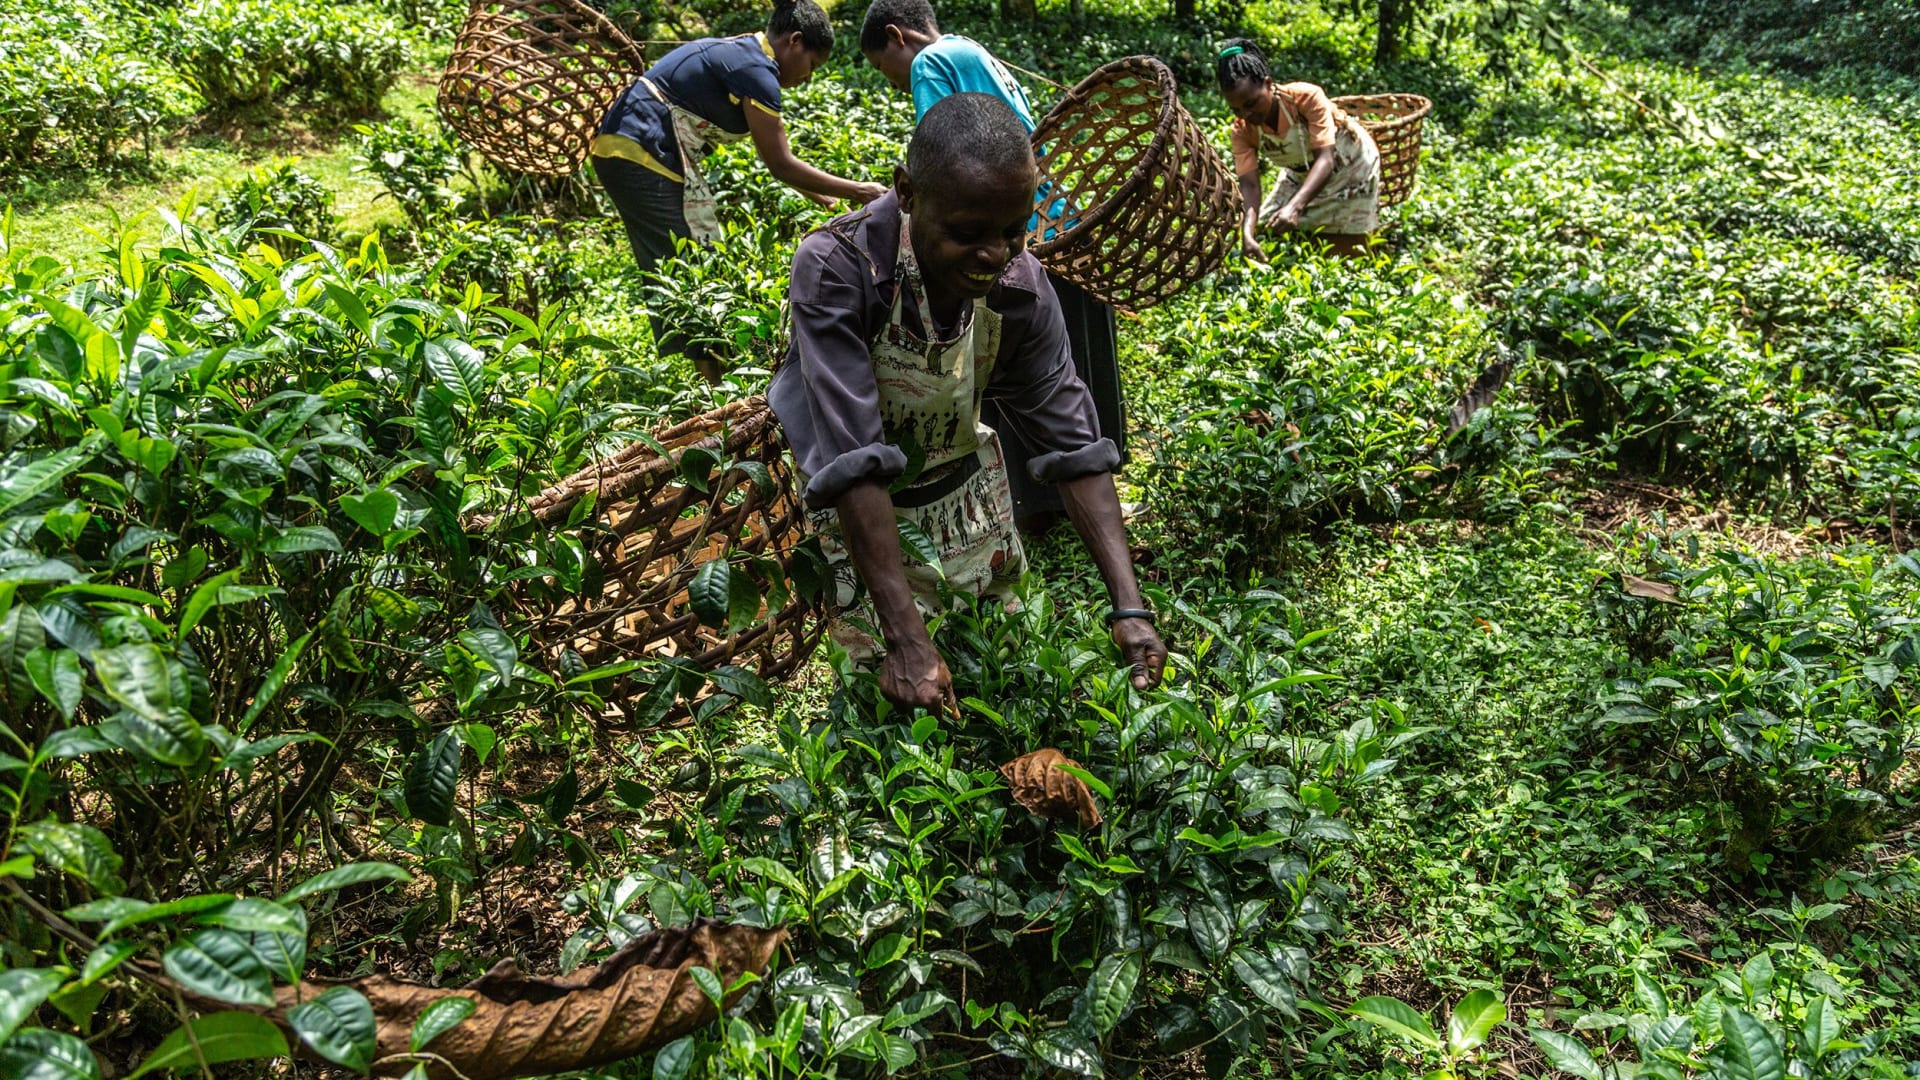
[
  {"x": 1785, "y": 695},
  {"x": 278, "y": 205}
]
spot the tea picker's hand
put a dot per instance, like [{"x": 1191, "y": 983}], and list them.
[
  {"x": 1141, "y": 648},
  {"x": 1250, "y": 247},
  {"x": 866, "y": 193},
  {"x": 1286, "y": 219},
  {"x": 914, "y": 675}
]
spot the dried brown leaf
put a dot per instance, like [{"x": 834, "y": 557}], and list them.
[
  {"x": 1649, "y": 589},
  {"x": 640, "y": 998},
  {"x": 1042, "y": 787}
]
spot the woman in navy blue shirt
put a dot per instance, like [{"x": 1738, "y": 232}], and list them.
[{"x": 714, "y": 90}]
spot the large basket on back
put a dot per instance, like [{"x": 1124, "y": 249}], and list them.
[
  {"x": 529, "y": 80},
  {"x": 1394, "y": 121},
  {"x": 652, "y": 527},
  {"x": 1136, "y": 203}
]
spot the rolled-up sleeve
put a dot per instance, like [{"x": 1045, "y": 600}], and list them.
[
  {"x": 1040, "y": 396},
  {"x": 825, "y": 396}
]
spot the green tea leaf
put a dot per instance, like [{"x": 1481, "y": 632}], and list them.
[
  {"x": 916, "y": 543},
  {"x": 675, "y": 1060},
  {"x": 144, "y": 680},
  {"x": 221, "y": 965},
  {"x": 431, "y": 778},
  {"x": 57, "y": 676},
  {"x": 1212, "y": 929},
  {"x": 220, "y": 1037},
  {"x": 374, "y": 511},
  {"x": 269, "y": 687},
  {"x": 1567, "y": 1054},
  {"x": 495, "y": 647},
  {"x": 1110, "y": 989},
  {"x": 1269, "y": 981},
  {"x": 1748, "y": 1050},
  {"x": 458, "y": 367},
  {"x": 39, "y": 1054},
  {"x": 21, "y": 992},
  {"x": 773, "y": 871},
  {"x": 1398, "y": 1017},
  {"x": 1473, "y": 1019},
  {"x": 339, "y": 1026},
  {"x": 75, "y": 848},
  {"x": 710, "y": 591},
  {"x": 439, "y": 1018}
]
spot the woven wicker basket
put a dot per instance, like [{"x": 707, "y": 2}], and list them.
[
  {"x": 1394, "y": 121},
  {"x": 529, "y": 80},
  {"x": 1138, "y": 204},
  {"x": 655, "y": 531}
]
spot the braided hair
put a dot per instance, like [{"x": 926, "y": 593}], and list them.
[
  {"x": 803, "y": 17},
  {"x": 906, "y": 14},
  {"x": 1240, "y": 60}
]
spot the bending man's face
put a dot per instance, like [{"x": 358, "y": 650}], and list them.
[{"x": 968, "y": 226}]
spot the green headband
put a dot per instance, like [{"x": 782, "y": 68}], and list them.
[{"x": 1231, "y": 50}]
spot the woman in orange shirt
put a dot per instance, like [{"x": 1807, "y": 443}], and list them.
[{"x": 1329, "y": 170}]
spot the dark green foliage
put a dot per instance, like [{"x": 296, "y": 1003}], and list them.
[
  {"x": 275, "y": 200},
  {"x": 243, "y": 54},
  {"x": 74, "y": 92}
]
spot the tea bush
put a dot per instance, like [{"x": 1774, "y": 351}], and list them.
[
  {"x": 1786, "y": 696},
  {"x": 74, "y": 90},
  {"x": 932, "y": 913},
  {"x": 415, "y": 165},
  {"x": 276, "y": 200},
  {"x": 245, "y": 53}
]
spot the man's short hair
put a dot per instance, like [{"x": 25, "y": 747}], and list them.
[
  {"x": 967, "y": 133},
  {"x": 906, "y": 14}
]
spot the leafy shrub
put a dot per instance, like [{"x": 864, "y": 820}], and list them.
[
  {"x": 1787, "y": 1011},
  {"x": 527, "y": 263},
  {"x": 728, "y": 298},
  {"x": 927, "y": 906},
  {"x": 245, "y": 53},
  {"x": 1311, "y": 393},
  {"x": 277, "y": 199},
  {"x": 435, "y": 18},
  {"x": 1787, "y": 698},
  {"x": 1805, "y": 35},
  {"x": 415, "y": 165},
  {"x": 71, "y": 93}
]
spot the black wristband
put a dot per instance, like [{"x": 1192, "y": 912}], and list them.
[{"x": 1119, "y": 613}]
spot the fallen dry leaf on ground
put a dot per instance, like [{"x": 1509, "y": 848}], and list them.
[
  {"x": 1049, "y": 791},
  {"x": 640, "y": 998}
]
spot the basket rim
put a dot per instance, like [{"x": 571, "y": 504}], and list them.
[
  {"x": 1143, "y": 166},
  {"x": 578, "y": 9},
  {"x": 1416, "y": 106}
]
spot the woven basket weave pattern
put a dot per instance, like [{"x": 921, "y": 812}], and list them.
[
  {"x": 655, "y": 532},
  {"x": 529, "y": 80},
  {"x": 1394, "y": 121},
  {"x": 1137, "y": 204}
]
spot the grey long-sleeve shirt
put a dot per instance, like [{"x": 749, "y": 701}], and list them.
[{"x": 828, "y": 400}]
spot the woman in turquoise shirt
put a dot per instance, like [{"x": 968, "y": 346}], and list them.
[{"x": 902, "y": 39}]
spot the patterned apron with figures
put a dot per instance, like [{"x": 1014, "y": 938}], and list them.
[
  {"x": 1350, "y": 201},
  {"x": 930, "y": 404},
  {"x": 695, "y": 134}
]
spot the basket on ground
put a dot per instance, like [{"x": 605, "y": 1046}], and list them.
[
  {"x": 713, "y": 488},
  {"x": 1394, "y": 121},
  {"x": 1135, "y": 203},
  {"x": 529, "y": 80}
]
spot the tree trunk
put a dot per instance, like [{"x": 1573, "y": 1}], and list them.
[
  {"x": 1386, "y": 41},
  {"x": 1018, "y": 9},
  {"x": 1185, "y": 9}
]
